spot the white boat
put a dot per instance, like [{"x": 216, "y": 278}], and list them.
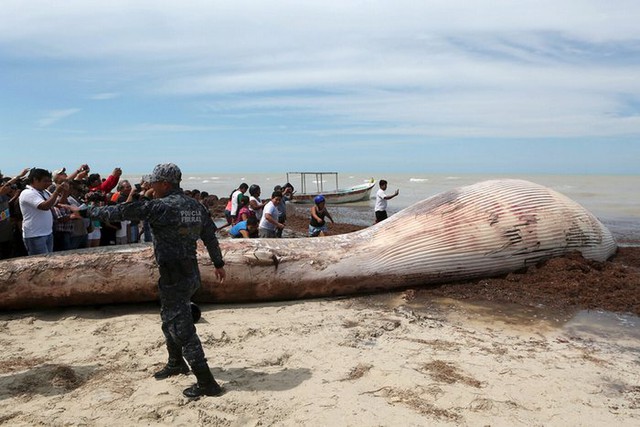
[{"x": 332, "y": 194}]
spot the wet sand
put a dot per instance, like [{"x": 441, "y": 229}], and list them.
[{"x": 532, "y": 348}]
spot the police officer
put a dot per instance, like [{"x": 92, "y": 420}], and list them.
[{"x": 177, "y": 221}]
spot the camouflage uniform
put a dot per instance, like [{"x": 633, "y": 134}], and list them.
[{"x": 177, "y": 222}]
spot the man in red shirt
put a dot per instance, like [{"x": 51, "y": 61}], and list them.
[{"x": 96, "y": 183}]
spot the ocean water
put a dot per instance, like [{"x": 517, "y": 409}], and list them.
[{"x": 614, "y": 199}]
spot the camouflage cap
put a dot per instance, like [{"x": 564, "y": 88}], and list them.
[{"x": 167, "y": 172}]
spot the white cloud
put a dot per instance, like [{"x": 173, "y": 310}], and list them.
[
  {"x": 167, "y": 127},
  {"x": 204, "y": 28},
  {"x": 431, "y": 68},
  {"x": 54, "y": 116},
  {"x": 104, "y": 96}
]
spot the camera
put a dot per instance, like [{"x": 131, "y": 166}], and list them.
[
  {"x": 138, "y": 187},
  {"x": 19, "y": 185}
]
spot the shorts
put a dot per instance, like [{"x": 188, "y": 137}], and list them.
[
  {"x": 315, "y": 231},
  {"x": 381, "y": 216},
  {"x": 94, "y": 235},
  {"x": 265, "y": 233}
]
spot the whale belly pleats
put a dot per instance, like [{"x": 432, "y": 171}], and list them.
[
  {"x": 488, "y": 228},
  {"x": 485, "y": 229}
]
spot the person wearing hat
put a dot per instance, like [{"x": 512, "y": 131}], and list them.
[
  {"x": 317, "y": 224},
  {"x": 177, "y": 222},
  {"x": 60, "y": 175}
]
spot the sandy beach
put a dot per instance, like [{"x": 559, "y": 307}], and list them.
[
  {"x": 479, "y": 353},
  {"x": 362, "y": 361}
]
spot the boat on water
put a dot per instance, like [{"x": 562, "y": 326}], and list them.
[{"x": 313, "y": 183}]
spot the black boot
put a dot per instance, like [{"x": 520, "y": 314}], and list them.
[
  {"x": 173, "y": 367},
  {"x": 206, "y": 385},
  {"x": 176, "y": 364}
]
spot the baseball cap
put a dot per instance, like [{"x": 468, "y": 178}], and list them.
[
  {"x": 167, "y": 172},
  {"x": 57, "y": 172}
]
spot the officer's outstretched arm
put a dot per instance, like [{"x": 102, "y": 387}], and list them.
[{"x": 208, "y": 236}]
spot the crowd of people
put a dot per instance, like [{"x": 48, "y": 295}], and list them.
[
  {"x": 251, "y": 216},
  {"x": 33, "y": 219},
  {"x": 42, "y": 212}
]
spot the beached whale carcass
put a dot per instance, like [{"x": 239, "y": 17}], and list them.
[{"x": 481, "y": 230}]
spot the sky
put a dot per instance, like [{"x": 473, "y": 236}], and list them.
[{"x": 441, "y": 86}]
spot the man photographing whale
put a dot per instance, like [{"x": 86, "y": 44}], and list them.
[{"x": 177, "y": 222}]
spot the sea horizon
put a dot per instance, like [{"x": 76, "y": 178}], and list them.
[
  {"x": 611, "y": 198},
  {"x": 609, "y": 195}
]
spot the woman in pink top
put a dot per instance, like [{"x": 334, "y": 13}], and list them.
[{"x": 243, "y": 210}]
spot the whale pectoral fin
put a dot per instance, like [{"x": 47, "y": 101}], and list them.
[{"x": 262, "y": 258}]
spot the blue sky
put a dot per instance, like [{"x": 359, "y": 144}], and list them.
[{"x": 358, "y": 86}]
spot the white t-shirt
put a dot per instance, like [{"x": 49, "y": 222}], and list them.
[
  {"x": 258, "y": 212},
  {"x": 122, "y": 231},
  {"x": 381, "y": 202},
  {"x": 234, "y": 201},
  {"x": 35, "y": 222},
  {"x": 271, "y": 209}
]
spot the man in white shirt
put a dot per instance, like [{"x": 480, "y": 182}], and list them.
[
  {"x": 269, "y": 223},
  {"x": 36, "y": 203},
  {"x": 381, "y": 201}
]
